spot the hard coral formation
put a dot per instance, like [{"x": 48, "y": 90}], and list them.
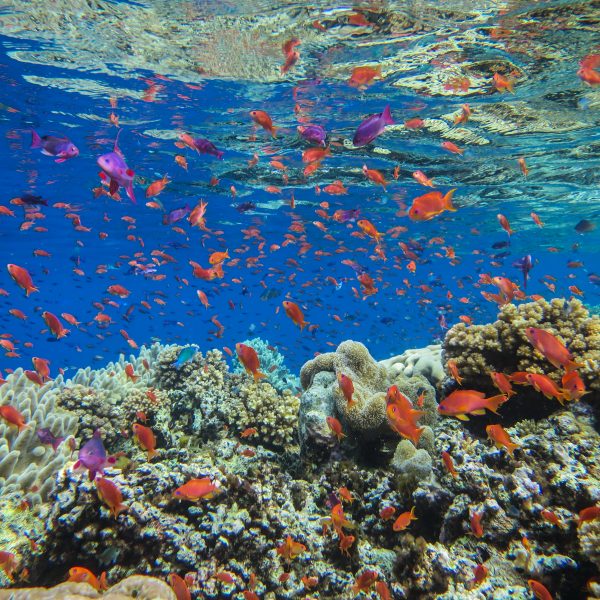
[
  {"x": 136, "y": 587},
  {"x": 425, "y": 361},
  {"x": 26, "y": 465},
  {"x": 502, "y": 346}
]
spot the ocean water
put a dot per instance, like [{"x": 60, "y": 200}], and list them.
[{"x": 152, "y": 70}]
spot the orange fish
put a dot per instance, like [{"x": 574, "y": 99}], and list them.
[
  {"x": 364, "y": 581},
  {"x": 249, "y": 359},
  {"x": 504, "y": 224},
  {"x": 449, "y": 463},
  {"x": 587, "y": 69},
  {"x": 476, "y": 526},
  {"x": 118, "y": 290},
  {"x": 363, "y": 76},
  {"x": 423, "y": 179},
  {"x": 156, "y": 187},
  {"x": 500, "y": 380},
  {"x": 338, "y": 520},
  {"x": 289, "y": 549},
  {"x": 42, "y": 367},
  {"x": 464, "y": 115},
  {"x": 451, "y": 147},
  {"x": 197, "y": 489},
  {"x": 403, "y": 421},
  {"x": 8, "y": 563},
  {"x": 404, "y": 519},
  {"x": 130, "y": 374},
  {"x": 387, "y": 513},
  {"x": 523, "y": 166},
  {"x": 347, "y": 388},
  {"x": 317, "y": 154},
  {"x": 346, "y": 542},
  {"x": 335, "y": 189},
  {"x": 375, "y": 176},
  {"x": 248, "y": 432},
  {"x": 181, "y": 161},
  {"x": 264, "y": 120},
  {"x": 336, "y": 428},
  {"x": 551, "y": 517},
  {"x": 430, "y": 205},
  {"x": 22, "y": 278},
  {"x": 460, "y": 403},
  {"x": 218, "y": 257},
  {"x": 573, "y": 387},
  {"x": 54, "y": 324},
  {"x": 292, "y": 310},
  {"x": 203, "y": 298},
  {"x": 146, "y": 439},
  {"x": 415, "y": 123},
  {"x": 502, "y": 83},
  {"x": 501, "y": 438},
  {"x": 179, "y": 587},
  {"x": 591, "y": 513},
  {"x": 83, "y": 575},
  {"x": 451, "y": 364},
  {"x": 480, "y": 572},
  {"x": 369, "y": 229},
  {"x": 539, "y": 590},
  {"x": 554, "y": 350},
  {"x": 12, "y": 416},
  {"x": 111, "y": 495}
]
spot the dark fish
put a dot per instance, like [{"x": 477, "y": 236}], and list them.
[
  {"x": 176, "y": 215},
  {"x": 387, "y": 320},
  {"x": 498, "y": 245},
  {"x": 500, "y": 255},
  {"x": 593, "y": 278},
  {"x": 585, "y": 226},
  {"x": 372, "y": 127},
  {"x": 48, "y": 438},
  {"x": 525, "y": 265},
  {"x": 32, "y": 200},
  {"x": 245, "y": 207},
  {"x": 207, "y": 147},
  {"x": 270, "y": 293}
]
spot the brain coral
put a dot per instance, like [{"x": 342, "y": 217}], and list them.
[
  {"x": 26, "y": 465},
  {"x": 502, "y": 346}
]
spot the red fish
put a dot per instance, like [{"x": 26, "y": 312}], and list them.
[
  {"x": 83, "y": 575},
  {"x": 157, "y": 187},
  {"x": 12, "y": 416},
  {"x": 363, "y": 76},
  {"x": 501, "y": 438},
  {"x": 430, "y": 205},
  {"x": 146, "y": 439},
  {"x": 263, "y": 119},
  {"x": 553, "y": 349},
  {"x": 54, "y": 325},
  {"x": 179, "y": 587},
  {"x": 539, "y": 590},
  {"x": 111, "y": 495},
  {"x": 336, "y": 428},
  {"x": 290, "y": 549},
  {"x": 451, "y": 147},
  {"x": 22, "y": 278},
  {"x": 249, "y": 359},
  {"x": 347, "y": 388},
  {"x": 364, "y": 581},
  {"x": 198, "y": 489},
  {"x": 449, "y": 463},
  {"x": 292, "y": 310},
  {"x": 460, "y": 403},
  {"x": 476, "y": 526},
  {"x": 404, "y": 519}
]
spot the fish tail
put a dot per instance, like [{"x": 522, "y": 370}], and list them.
[
  {"x": 151, "y": 454},
  {"x": 417, "y": 435},
  {"x": 386, "y": 115},
  {"x": 448, "y": 200},
  {"x": 494, "y": 402},
  {"x": 258, "y": 375},
  {"x": 129, "y": 190},
  {"x": 36, "y": 140},
  {"x": 31, "y": 289},
  {"x": 573, "y": 366},
  {"x": 273, "y": 131}
]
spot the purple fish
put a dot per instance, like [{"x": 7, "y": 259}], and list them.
[
  {"x": 343, "y": 216},
  {"x": 115, "y": 168},
  {"x": 207, "y": 147},
  {"x": 313, "y": 133},
  {"x": 176, "y": 215},
  {"x": 48, "y": 438},
  {"x": 92, "y": 456},
  {"x": 525, "y": 265},
  {"x": 63, "y": 148},
  {"x": 372, "y": 127}
]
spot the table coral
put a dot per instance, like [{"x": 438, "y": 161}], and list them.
[{"x": 502, "y": 346}]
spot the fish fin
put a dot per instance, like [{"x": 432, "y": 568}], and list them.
[
  {"x": 462, "y": 417},
  {"x": 494, "y": 402},
  {"x": 386, "y": 115},
  {"x": 258, "y": 375},
  {"x": 273, "y": 131},
  {"x": 46, "y": 153},
  {"x": 113, "y": 187},
  {"x": 479, "y": 411},
  {"x": 36, "y": 140},
  {"x": 573, "y": 366},
  {"x": 129, "y": 190},
  {"x": 60, "y": 160},
  {"x": 448, "y": 200}
]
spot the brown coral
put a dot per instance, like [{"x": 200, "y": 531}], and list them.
[{"x": 502, "y": 346}]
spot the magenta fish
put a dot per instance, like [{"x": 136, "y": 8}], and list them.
[
  {"x": 176, "y": 215},
  {"x": 62, "y": 148},
  {"x": 115, "y": 168},
  {"x": 372, "y": 127},
  {"x": 48, "y": 438},
  {"x": 92, "y": 456},
  {"x": 312, "y": 133},
  {"x": 207, "y": 147}
]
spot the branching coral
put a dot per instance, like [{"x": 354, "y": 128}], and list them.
[{"x": 502, "y": 345}]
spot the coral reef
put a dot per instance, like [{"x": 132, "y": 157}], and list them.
[
  {"x": 502, "y": 346},
  {"x": 26, "y": 465},
  {"x": 136, "y": 587},
  {"x": 272, "y": 364},
  {"x": 425, "y": 361}
]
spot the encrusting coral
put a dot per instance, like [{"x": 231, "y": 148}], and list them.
[
  {"x": 502, "y": 346},
  {"x": 26, "y": 465}
]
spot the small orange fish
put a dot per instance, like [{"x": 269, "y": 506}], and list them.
[
  {"x": 375, "y": 176},
  {"x": 83, "y": 575},
  {"x": 198, "y": 489},
  {"x": 451, "y": 364},
  {"x": 551, "y": 517},
  {"x": 22, "y": 278},
  {"x": 476, "y": 526},
  {"x": 553, "y": 349},
  {"x": 501, "y": 438},
  {"x": 362, "y": 77},
  {"x": 591, "y": 513},
  {"x": 364, "y": 581},
  {"x": 504, "y": 224},
  {"x": 500, "y": 380},
  {"x": 430, "y": 205},
  {"x": 404, "y": 519},
  {"x": 423, "y": 179},
  {"x": 292, "y": 310},
  {"x": 451, "y": 147},
  {"x": 290, "y": 549},
  {"x": 250, "y": 361},
  {"x": 368, "y": 228},
  {"x": 8, "y": 563},
  {"x": 449, "y": 463},
  {"x": 336, "y": 428},
  {"x": 111, "y": 495},
  {"x": 480, "y": 572},
  {"x": 503, "y": 84},
  {"x": 54, "y": 324},
  {"x": 464, "y": 115},
  {"x": 179, "y": 587},
  {"x": 156, "y": 187},
  {"x": 539, "y": 590},
  {"x": 146, "y": 439},
  {"x": 263, "y": 119},
  {"x": 130, "y": 374},
  {"x": 460, "y": 403},
  {"x": 347, "y": 388},
  {"x": 13, "y": 417}
]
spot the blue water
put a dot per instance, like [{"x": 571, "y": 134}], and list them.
[{"x": 561, "y": 188}]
